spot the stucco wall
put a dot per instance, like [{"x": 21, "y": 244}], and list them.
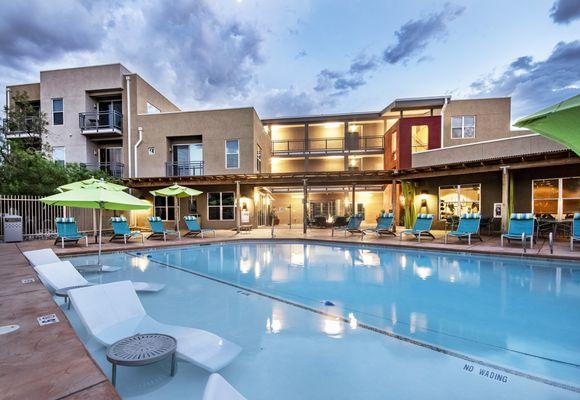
[{"x": 31, "y": 89}]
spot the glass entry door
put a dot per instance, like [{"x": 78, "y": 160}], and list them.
[
  {"x": 188, "y": 159},
  {"x": 110, "y": 161},
  {"x": 108, "y": 110}
]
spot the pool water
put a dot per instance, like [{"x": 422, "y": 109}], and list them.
[{"x": 321, "y": 320}]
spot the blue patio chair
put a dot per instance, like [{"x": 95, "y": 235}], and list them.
[
  {"x": 159, "y": 230},
  {"x": 384, "y": 225},
  {"x": 193, "y": 227},
  {"x": 352, "y": 227},
  {"x": 575, "y": 235},
  {"x": 67, "y": 231},
  {"x": 421, "y": 228},
  {"x": 468, "y": 227},
  {"x": 521, "y": 228},
  {"x": 121, "y": 230}
]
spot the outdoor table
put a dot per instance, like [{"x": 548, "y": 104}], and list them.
[
  {"x": 64, "y": 293},
  {"x": 141, "y": 349},
  {"x": 554, "y": 225}
]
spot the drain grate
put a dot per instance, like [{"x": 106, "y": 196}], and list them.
[
  {"x": 28, "y": 280},
  {"x": 47, "y": 319}
]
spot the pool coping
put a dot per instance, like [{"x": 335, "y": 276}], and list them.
[{"x": 439, "y": 349}]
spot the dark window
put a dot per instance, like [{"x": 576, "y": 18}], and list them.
[
  {"x": 165, "y": 208},
  {"x": 221, "y": 206},
  {"x": 57, "y": 112}
]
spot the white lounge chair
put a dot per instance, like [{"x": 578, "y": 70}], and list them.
[
  {"x": 113, "y": 311},
  {"x": 217, "y": 388},
  {"x": 63, "y": 274},
  {"x": 48, "y": 256}
]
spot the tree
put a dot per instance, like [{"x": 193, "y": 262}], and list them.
[{"x": 26, "y": 165}]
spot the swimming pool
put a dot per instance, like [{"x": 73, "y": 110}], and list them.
[{"x": 307, "y": 307}]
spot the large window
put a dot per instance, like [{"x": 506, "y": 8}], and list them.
[
  {"x": 233, "y": 153},
  {"x": 455, "y": 200},
  {"x": 394, "y": 144},
  {"x": 187, "y": 159},
  {"x": 57, "y": 112},
  {"x": 221, "y": 206},
  {"x": 463, "y": 127},
  {"x": 258, "y": 158},
  {"x": 556, "y": 198},
  {"x": 165, "y": 208},
  {"x": 419, "y": 138},
  {"x": 58, "y": 154}
]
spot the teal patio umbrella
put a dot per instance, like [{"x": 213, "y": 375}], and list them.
[
  {"x": 97, "y": 195},
  {"x": 178, "y": 192},
  {"x": 560, "y": 122}
]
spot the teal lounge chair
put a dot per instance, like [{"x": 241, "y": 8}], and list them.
[
  {"x": 121, "y": 230},
  {"x": 421, "y": 228},
  {"x": 352, "y": 227},
  {"x": 521, "y": 228},
  {"x": 575, "y": 235},
  {"x": 193, "y": 227},
  {"x": 159, "y": 230},
  {"x": 384, "y": 225},
  {"x": 468, "y": 227},
  {"x": 67, "y": 231}
]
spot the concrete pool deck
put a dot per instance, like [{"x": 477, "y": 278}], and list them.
[{"x": 51, "y": 362}]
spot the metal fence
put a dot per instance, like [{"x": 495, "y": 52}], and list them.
[{"x": 38, "y": 218}]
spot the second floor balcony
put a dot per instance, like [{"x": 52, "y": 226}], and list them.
[
  {"x": 190, "y": 168},
  {"x": 105, "y": 124},
  {"x": 28, "y": 128},
  {"x": 330, "y": 145},
  {"x": 115, "y": 169}
]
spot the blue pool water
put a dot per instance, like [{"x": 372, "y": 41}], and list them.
[{"x": 308, "y": 309}]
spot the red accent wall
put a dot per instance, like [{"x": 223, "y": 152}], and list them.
[{"x": 403, "y": 128}]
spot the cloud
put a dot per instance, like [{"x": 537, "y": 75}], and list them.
[
  {"x": 414, "y": 36},
  {"x": 565, "y": 11},
  {"x": 39, "y": 31},
  {"x": 301, "y": 54},
  {"x": 536, "y": 84},
  {"x": 288, "y": 102}
]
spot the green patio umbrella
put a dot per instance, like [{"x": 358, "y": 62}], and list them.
[
  {"x": 178, "y": 192},
  {"x": 97, "y": 195},
  {"x": 560, "y": 122}
]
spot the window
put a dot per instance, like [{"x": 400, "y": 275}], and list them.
[
  {"x": 151, "y": 109},
  {"x": 233, "y": 153},
  {"x": 419, "y": 138},
  {"x": 187, "y": 159},
  {"x": 463, "y": 127},
  {"x": 58, "y": 154},
  {"x": 394, "y": 144},
  {"x": 455, "y": 200},
  {"x": 556, "y": 198},
  {"x": 258, "y": 158},
  {"x": 221, "y": 206},
  {"x": 165, "y": 208},
  {"x": 57, "y": 112}
]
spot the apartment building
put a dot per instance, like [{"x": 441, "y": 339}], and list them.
[{"x": 456, "y": 155}]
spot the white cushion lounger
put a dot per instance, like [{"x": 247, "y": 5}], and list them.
[
  {"x": 113, "y": 311},
  {"x": 217, "y": 388},
  {"x": 63, "y": 274},
  {"x": 48, "y": 256}
]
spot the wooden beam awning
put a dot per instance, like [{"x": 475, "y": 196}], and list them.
[{"x": 557, "y": 158}]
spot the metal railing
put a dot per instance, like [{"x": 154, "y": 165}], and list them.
[
  {"x": 191, "y": 168},
  {"x": 115, "y": 169},
  {"x": 106, "y": 121},
  {"x": 22, "y": 131},
  {"x": 328, "y": 145},
  {"x": 38, "y": 218}
]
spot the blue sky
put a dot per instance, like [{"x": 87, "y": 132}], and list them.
[{"x": 298, "y": 57}]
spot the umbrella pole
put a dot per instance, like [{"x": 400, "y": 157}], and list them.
[
  {"x": 94, "y": 222},
  {"x": 100, "y": 235},
  {"x": 177, "y": 213}
]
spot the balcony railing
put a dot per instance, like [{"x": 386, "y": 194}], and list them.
[
  {"x": 101, "y": 122},
  {"x": 192, "y": 168},
  {"x": 115, "y": 169},
  {"x": 27, "y": 130},
  {"x": 350, "y": 144}
]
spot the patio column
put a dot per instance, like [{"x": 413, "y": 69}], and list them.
[
  {"x": 305, "y": 206},
  {"x": 505, "y": 183},
  {"x": 394, "y": 204},
  {"x": 238, "y": 206},
  {"x": 353, "y": 199}
]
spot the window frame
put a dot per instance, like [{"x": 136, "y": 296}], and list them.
[
  {"x": 166, "y": 207},
  {"x": 221, "y": 207},
  {"x": 57, "y": 112},
  {"x": 258, "y": 158},
  {"x": 463, "y": 126},
  {"x": 63, "y": 161},
  {"x": 560, "y": 199},
  {"x": 237, "y": 153},
  {"x": 457, "y": 188},
  {"x": 413, "y": 140}
]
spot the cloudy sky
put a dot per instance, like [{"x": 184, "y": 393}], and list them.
[{"x": 306, "y": 56}]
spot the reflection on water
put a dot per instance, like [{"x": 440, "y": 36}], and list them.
[{"x": 454, "y": 300}]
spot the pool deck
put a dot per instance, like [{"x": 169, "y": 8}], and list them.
[{"x": 50, "y": 361}]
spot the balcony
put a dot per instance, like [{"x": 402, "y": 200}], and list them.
[
  {"x": 115, "y": 169},
  {"x": 329, "y": 146},
  {"x": 25, "y": 130},
  {"x": 106, "y": 125},
  {"x": 191, "y": 168}
]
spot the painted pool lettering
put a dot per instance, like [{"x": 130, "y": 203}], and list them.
[{"x": 486, "y": 373}]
